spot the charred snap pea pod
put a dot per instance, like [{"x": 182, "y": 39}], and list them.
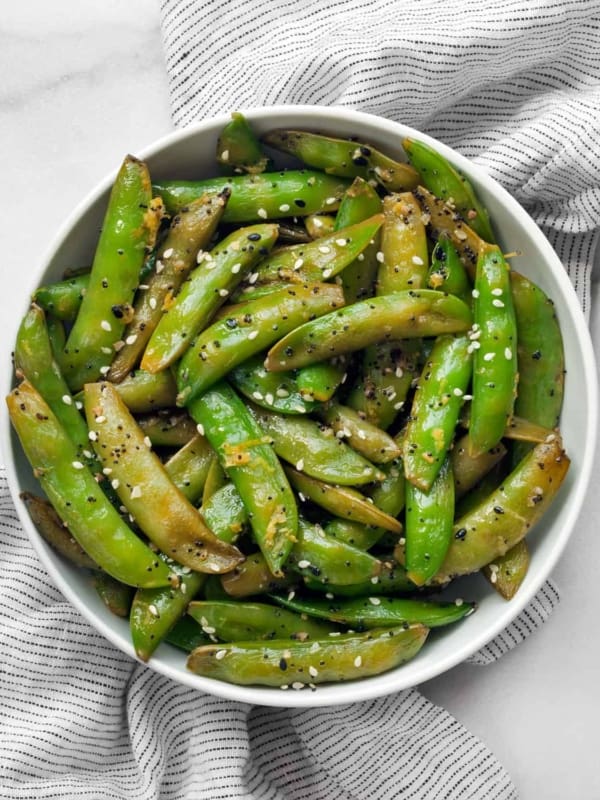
[
  {"x": 63, "y": 298},
  {"x": 160, "y": 509},
  {"x": 428, "y": 525},
  {"x": 218, "y": 273},
  {"x": 129, "y": 228},
  {"x": 445, "y": 181},
  {"x": 315, "y": 450},
  {"x": 238, "y": 148},
  {"x": 168, "y": 429},
  {"x": 143, "y": 392},
  {"x": 404, "y": 253},
  {"x": 353, "y": 533},
  {"x": 367, "y": 439},
  {"x": 77, "y": 496},
  {"x": 282, "y": 662},
  {"x": 251, "y": 463},
  {"x": 276, "y": 391},
  {"x": 188, "y": 467},
  {"x": 469, "y": 467},
  {"x": 116, "y": 596},
  {"x": 190, "y": 231},
  {"x": 320, "y": 381},
  {"x": 507, "y": 572},
  {"x": 435, "y": 409},
  {"x": 232, "y": 621},
  {"x": 341, "y": 501},
  {"x": 248, "y": 330},
  {"x": 495, "y": 359},
  {"x": 390, "y": 581},
  {"x": 378, "y": 612},
  {"x": 253, "y": 578},
  {"x": 503, "y": 519},
  {"x": 269, "y": 195},
  {"x": 390, "y": 317},
  {"x": 343, "y": 157},
  {"x": 447, "y": 272}
]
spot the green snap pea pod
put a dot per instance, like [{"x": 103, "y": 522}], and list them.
[
  {"x": 445, "y": 181},
  {"x": 361, "y": 201},
  {"x": 57, "y": 337},
  {"x": 170, "y": 429},
  {"x": 238, "y": 148},
  {"x": 523, "y": 430},
  {"x": 428, "y": 525},
  {"x": 143, "y": 392},
  {"x": 503, "y": 519},
  {"x": 186, "y": 635},
  {"x": 77, "y": 496},
  {"x": 269, "y": 195},
  {"x": 435, "y": 409},
  {"x": 389, "y": 494},
  {"x": 507, "y": 572},
  {"x": 248, "y": 330},
  {"x": 225, "y": 513},
  {"x": 404, "y": 253},
  {"x": 343, "y": 157},
  {"x": 320, "y": 381},
  {"x": 129, "y": 228},
  {"x": 367, "y": 439},
  {"x": 390, "y": 581},
  {"x": 231, "y": 621},
  {"x": 447, "y": 272},
  {"x": 116, "y": 596},
  {"x": 34, "y": 360},
  {"x": 218, "y": 273},
  {"x": 190, "y": 231},
  {"x": 389, "y": 317},
  {"x": 159, "y": 508},
  {"x": 341, "y": 501},
  {"x": 378, "y": 612},
  {"x": 319, "y": 225},
  {"x": 63, "y": 298},
  {"x": 252, "y": 465},
  {"x": 253, "y": 578},
  {"x": 470, "y": 467},
  {"x": 329, "y": 560},
  {"x": 354, "y": 533},
  {"x": 495, "y": 360},
  {"x": 315, "y": 450},
  {"x": 282, "y": 662},
  {"x": 482, "y": 490},
  {"x": 188, "y": 467},
  {"x": 215, "y": 478},
  {"x": 276, "y": 391}
]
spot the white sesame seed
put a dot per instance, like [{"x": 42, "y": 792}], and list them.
[
  {"x": 168, "y": 253},
  {"x": 223, "y": 292},
  {"x": 153, "y": 610},
  {"x": 200, "y": 256},
  {"x": 262, "y": 213},
  {"x": 475, "y": 293},
  {"x": 375, "y": 601},
  {"x": 258, "y": 395},
  {"x": 418, "y": 261},
  {"x": 115, "y": 483},
  {"x": 313, "y": 671},
  {"x": 460, "y": 234},
  {"x": 298, "y": 263},
  {"x": 284, "y": 686},
  {"x": 291, "y": 595},
  {"x": 497, "y": 292},
  {"x": 107, "y": 471},
  {"x": 508, "y": 353},
  {"x": 489, "y": 356},
  {"x": 159, "y": 266},
  {"x": 358, "y": 661},
  {"x": 282, "y": 393},
  {"x": 152, "y": 303},
  {"x": 459, "y": 601},
  {"x": 78, "y": 465},
  {"x": 300, "y": 465},
  {"x": 467, "y": 397},
  {"x": 252, "y": 334},
  {"x": 105, "y": 325},
  {"x": 220, "y": 654},
  {"x": 131, "y": 339},
  {"x": 200, "y": 428},
  {"x": 330, "y": 201},
  {"x": 302, "y": 497},
  {"x": 136, "y": 492},
  {"x": 236, "y": 268},
  {"x": 303, "y": 564},
  {"x": 104, "y": 370},
  {"x": 297, "y": 685},
  {"x": 269, "y": 399},
  {"x": 284, "y": 207},
  {"x": 208, "y": 629},
  {"x": 498, "y": 303},
  {"x": 327, "y": 273},
  {"x": 106, "y": 350},
  {"x": 398, "y": 406},
  {"x": 225, "y": 155},
  {"x": 375, "y": 579},
  {"x": 100, "y": 419},
  {"x": 67, "y": 399},
  {"x": 147, "y": 442},
  {"x": 92, "y": 436},
  {"x": 183, "y": 588},
  {"x": 253, "y": 277},
  {"x": 341, "y": 242},
  {"x": 457, "y": 391},
  {"x": 380, "y": 257}
]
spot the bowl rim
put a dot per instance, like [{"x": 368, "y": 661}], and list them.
[{"x": 392, "y": 681}]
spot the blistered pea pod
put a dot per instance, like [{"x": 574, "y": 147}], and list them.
[
  {"x": 445, "y": 181},
  {"x": 269, "y": 195},
  {"x": 248, "y": 329},
  {"x": 253, "y": 578},
  {"x": 231, "y": 621},
  {"x": 378, "y": 612},
  {"x": 286, "y": 663},
  {"x": 447, "y": 272},
  {"x": 404, "y": 256},
  {"x": 276, "y": 391},
  {"x": 63, "y": 298},
  {"x": 495, "y": 357},
  {"x": 238, "y": 148},
  {"x": 343, "y": 157},
  {"x": 206, "y": 289},
  {"x": 506, "y": 573},
  {"x": 364, "y": 437},
  {"x": 77, "y": 496},
  {"x": 129, "y": 229},
  {"x": 116, "y": 596}
]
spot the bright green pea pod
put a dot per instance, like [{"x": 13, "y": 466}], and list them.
[
  {"x": 319, "y": 225},
  {"x": 507, "y": 572},
  {"x": 116, "y": 596},
  {"x": 378, "y": 612},
  {"x": 367, "y": 439},
  {"x": 469, "y": 467},
  {"x": 428, "y": 525},
  {"x": 405, "y": 257},
  {"x": 400, "y": 315},
  {"x": 329, "y": 560},
  {"x": 353, "y": 533},
  {"x": 248, "y": 329},
  {"x": 502, "y": 519},
  {"x": 188, "y": 467},
  {"x": 145, "y": 488},
  {"x": 282, "y": 662},
  {"x": 343, "y": 157},
  {"x": 34, "y": 360},
  {"x": 77, "y": 496},
  {"x": 232, "y": 621},
  {"x": 186, "y": 634},
  {"x": 253, "y": 578},
  {"x": 191, "y": 230},
  {"x": 143, "y": 392},
  {"x": 129, "y": 228},
  {"x": 390, "y": 581},
  {"x": 389, "y": 494},
  {"x": 445, "y": 181},
  {"x": 435, "y": 409},
  {"x": 207, "y": 286},
  {"x": 251, "y": 463},
  {"x": 447, "y": 272},
  {"x": 341, "y": 501},
  {"x": 495, "y": 360},
  {"x": 225, "y": 513},
  {"x": 320, "y": 381},
  {"x": 57, "y": 337},
  {"x": 238, "y": 148},
  {"x": 314, "y": 449},
  {"x": 172, "y": 429},
  {"x": 255, "y": 198},
  {"x": 276, "y": 391},
  {"x": 63, "y": 298}
]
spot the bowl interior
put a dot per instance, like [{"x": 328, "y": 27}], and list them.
[{"x": 190, "y": 154}]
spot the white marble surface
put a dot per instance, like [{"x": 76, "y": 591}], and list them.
[{"x": 84, "y": 83}]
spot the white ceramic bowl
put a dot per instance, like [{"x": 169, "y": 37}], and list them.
[{"x": 190, "y": 154}]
